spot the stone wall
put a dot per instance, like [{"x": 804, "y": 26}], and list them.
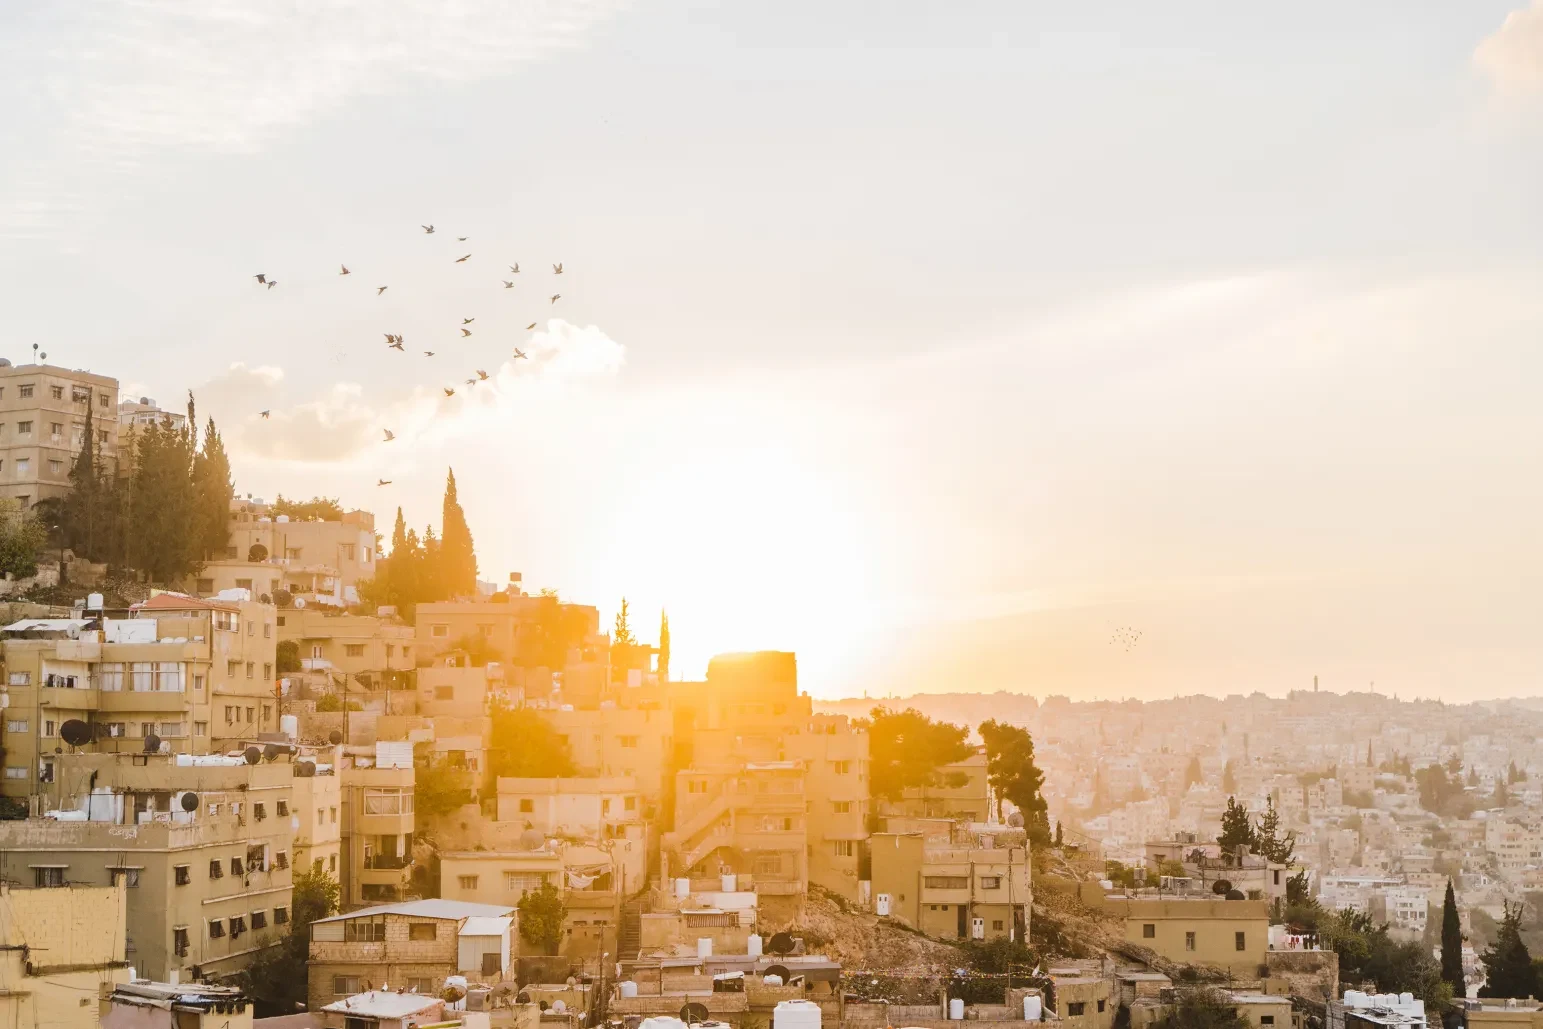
[{"x": 1313, "y": 974}]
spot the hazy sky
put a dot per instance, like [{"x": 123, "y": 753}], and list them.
[{"x": 935, "y": 342}]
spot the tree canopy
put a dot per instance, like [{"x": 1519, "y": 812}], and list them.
[
  {"x": 908, "y": 750},
  {"x": 542, "y": 911},
  {"x": 276, "y": 977},
  {"x": 523, "y": 745},
  {"x": 1237, "y": 828},
  {"x": 1014, "y": 776},
  {"x": 1508, "y": 968},
  {"x": 1203, "y": 1008},
  {"x": 1268, "y": 840},
  {"x": 1452, "y": 944},
  {"x": 425, "y": 569},
  {"x": 317, "y": 509}
]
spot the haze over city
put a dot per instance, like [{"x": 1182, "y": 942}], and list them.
[{"x": 938, "y": 347}]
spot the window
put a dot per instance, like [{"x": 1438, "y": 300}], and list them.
[
  {"x": 627, "y": 741},
  {"x": 332, "y": 862},
  {"x": 216, "y": 928},
  {"x": 231, "y": 667},
  {"x": 1100, "y": 1006},
  {"x": 48, "y": 876},
  {"x": 280, "y": 916},
  {"x": 333, "y": 815},
  {"x": 237, "y": 925},
  {"x": 184, "y": 874},
  {"x": 697, "y": 786},
  {"x": 1189, "y": 941},
  {"x": 179, "y": 941},
  {"x": 996, "y": 925},
  {"x": 23, "y": 467},
  {"x": 55, "y": 467},
  {"x": 216, "y": 869},
  {"x": 200, "y": 728},
  {"x": 20, "y": 679},
  {"x": 991, "y": 882},
  {"x": 267, "y": 630},
  {"x": 365, "y": 930},
  {"x": 390, "y": 649},
  {"x": 629, "y": 804},
  {"x": 353, "y": 649},
  {"x": 101, "y": 400},
  {"x": 267, "y": 674},
  {"x": 444, "y": 692},
  {"x": 421, "y": 930},
  {"x": 101, "y": 435},
  {"x": 251, "y": 626},
  {"x": 387, "y": 802},
  {"x": 56, "y": 430},
  {"x": 15, "y": 772},
  {"x": 1266, "y": 1019},
  {"x": 841, "y": 767},
  {"x": 439, "y": 631},
  {"x": 282, "y": 807},
  {"x": 249, "y": 708},
  {"x": 172, "y": 729},
  {"x": 843, "y": 848},
  {"x": 281, "y": 859},
  {"x": 236, "y": 867},
  {"x": 523, "y": 882},
  {"x": 57, "y": 392},
  {"x": 16, "y": 725},
  {"x": 527, "y": 805},
  {"x": 24, "y": 391},
  {"x": 260, "y": 921},
  {"x": 230, "y": 714},
  {"x": 251, "y": 666},
  {"x": 841, "y": 807},
  {"x": 946, "y": 882},
  {"x": 466, "y": 882},
  {"x": 1076, "y": 1008},
  {"x": 48, "y": 727},
  {"x": 345, "y": 985},
  {"x": 259, "y": 810},
  {"x": 1149, "y": 931},
  {"x": 25, "y": 428},
  {"x": 316, "y": 652}
]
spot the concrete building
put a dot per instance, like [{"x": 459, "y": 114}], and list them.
[
  {"x": 1228, "y": 934},
  {"x": 453, "y": 687},
  {"x": 964, "y": 794},
  {"x": 1083, "y": 1000},
  {"x": 143, "y": 1003},
  {"x": 322, "y": 560},
  {"x": 363, "y": 646},
  {"x": 836, "y": 783},
  {"x": 317, "y": 803},
  {"x": 636, "y": 743},
  {"x": 586, "y": 808},
  {"x": 201, "y": 844},
  {"x": 58, "y": 947},
  {"x": 142, "y": 413},
  {"x": 412, "y": 946},
  {"x": 43, "y": 424},
  {"x": 377, "y": 836},
  {"x": 552, "y": 651},
  {"x": 949, "y": 891},
  {"x": 196, "y": 674}
]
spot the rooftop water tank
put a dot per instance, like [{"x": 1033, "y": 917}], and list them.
[
  {"x": 1032, "y": 1007},
  {"x": 956, "y": 1009},
  {"x": 796, "y": 1014}
]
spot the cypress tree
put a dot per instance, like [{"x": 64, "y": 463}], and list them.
[
  {"x": 1237, "y": 829},
  {"x": 1452, "y": 944},
  {"x": 1508, "y": 969},
  {"x": 458, "y": 559},
  {"x": 664, "y": 647},
  {"x": 212, "y": 490}
]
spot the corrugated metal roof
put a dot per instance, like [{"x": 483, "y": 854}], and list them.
[
  {"x": 484, "y": 925},
  {"x": 451, "y": 909},
  {"x": 379, "y": 1004}
]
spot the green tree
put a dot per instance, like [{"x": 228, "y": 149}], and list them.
[
  {"x": 542, "y": 911},
  {"x": 1229, "y": 781},
  {"x": 317, "y": 509},
  {"x": 439, "y": 788},
  {"x": 1011, "y": 770},
  {"x": 287, "y": 656},
  {"x": 88, "y": 512},
  {"x": 277, "y": 975},
  {"x": 523, "y": 745},
  {"x": 1268, "y": 841},
  {"x": 212, "y": 490},
  {"x": 21, "y": 537},
  {"x": 162, "y": 541},
  {"x": 1296, "y": 889},
  {"x": 1060, "y": 840},
  {"x": 1237, "y": 828},
  {"x": 621, "y": 635},
  {"x": 907, "y": 750},
  {"x": 457, "y": 556},
  {"x": 1508, "y": 969},
  {"x": 1502, "y": 793},
  {"x": 1203, "y": 1008},
  {"x": 1452, "y": 944},
  {"x": 1192, "y": 774}
]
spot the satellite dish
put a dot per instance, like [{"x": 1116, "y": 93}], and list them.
[
  {"x": 781, "y": 971},
  {"x": 252, "y": 755},
  {"x": 190, "y": 802},
  {"x": 1015, "y": 820},
  {"x": 451, "y": 994},
  {"x": 1221, "y": 887},
  {"x": 780, "y": 943},
  {"x": 693, "y": 1013},
  {"x": 523, "y": 997},
  {"x": 272, "y": 751},
  {"x": 75, "y": 732},
  {"x": 530, "y": 839},
  {"x": 299, "y": 602},
  {"x": 305, "y": 769},
  {"x": 1235, "y": 895},
  {"x": 334, "y": 737},
  {"x": 152, "y": 744}
]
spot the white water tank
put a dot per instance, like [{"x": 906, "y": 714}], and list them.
[
  {"x": 1406, "y": 997},
  {"x": 956, "y": 1009},
  {"x": 682, "y": 888},
  {"x": 796, "y": 1014},
  {"x": 771, "y": 980},
  {"x": 881, "y": 905},
  {"x": 730, "y": 883},
  {"x": 704, "y": 946},
  {"x": 1033, "y": 1007},
  {"x": 629, "y": 988},
  {"x": 753, "y": 945},
  {"x": 559, "y": 1006},
  {"x": 289, "y": 725}
]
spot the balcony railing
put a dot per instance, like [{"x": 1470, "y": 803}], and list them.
[{"x": 383, "y": 862}]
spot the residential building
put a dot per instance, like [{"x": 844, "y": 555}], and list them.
[
  {"x": 317, "y": 804},
  {"x": 57, "y": 949},
  {"x": 632, "y": 742},
  {"x": 197, "y": 675},
  {"x": 143, "y": 1003},
  {"x": 552, "y": 651},
  {"x": 385, "y": 1009},
  {"x": 363, "y": 646},
  {"x": 951, "y": 891},
  {"x": 322, "y": 559},
  {"x": 377, "y": 836},
  {"x": 201, "y": 844},
  {"x": 1228, "y": 934},
  {"x": 963, "y": 793},
  {"x": 139, "y": 415},
  {"x": 836, "y": 783},
  {"x": 453, "y": 687},
  {"x": 1083, "y": 1000},
  {"x": 43, "y": 424},
  {"x": 412, "y": 945}
]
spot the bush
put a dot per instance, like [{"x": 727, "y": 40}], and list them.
[{"x": 328, "y": 703}]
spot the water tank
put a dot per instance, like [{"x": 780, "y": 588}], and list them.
[
  {"x": 730, "y": 883},
  {"x": 1406, "y": 997},
  {"x": 95, "y": 602},
  {"x": 704, "y": 946},
  {"x": 682, "y": 888},
  {"x": 289, "y": 725},
  {"x": 753, "y": 945},
  {"x": 629, "y": 988},
  {"x": 282, "y": 519},
  {"x": 559, "y": 1006},
  {"x": 1033, "y": 1007},
  {"x": 956, "y": 1009},
  {"x": 796, "y": 1014},
  {"x": 771, "y": 980}
]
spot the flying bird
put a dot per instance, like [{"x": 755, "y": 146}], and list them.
[
  {"x": 260, "y": 277},
  {"x": 471, "y": 382},
  {"x": 556, "y": 297},
  {"x": 482, "y": 376},
  {"x": 532, "y": 325},
  {"x": 507, "y": 284},
  {"x": 461, "y": 260},
  {"x": 379, "y": 290},
  {"x": 465, "y": 332},
  {"x": 460, "y": 239},
  {"x": 557, "y": 269},
  {"x": 345, "y": 270},
  {"x": 468, "y": 321},
  {"x": 518, "y": 354},
  {"x": 515, "y": 268},
  {"x": 449, "y": 392},
  {"x": 389, "y": 436},
  {"x": 429, "y": 229},
  {"x": 397, "y": 346},
  {"x": 267, "y": 413},
  {"x": 384, "y": 482},
  {"x": 272, "y": 283},
  {"x": 428, "y": 353}
]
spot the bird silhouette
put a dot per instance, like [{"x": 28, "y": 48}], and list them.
[
  {"x": 556, "y": 297},
  {"x": 429, "y": 229},
  {"x": 460, "y": 239},
  {"x": 397, "y": 346},
  {"x": 532, "y": 325},
  {"x": 515, "y": 268},
  {"x": 260, "y": 277},
  {"x": 468, "y": 321},
  {"x": 471, "y": 382},
  {"x": 389, "y": 436},
  {"x": 345, "y": 270},
  {"x": 518, "y": 354},
  {"x": 507, "y": 283},
  {"x": 465, "y": 332},
  {"x": 462, "y": 260},
  {"x": 267, "y": 413},
  {"x": 379, "y": 290},
  {"x": 449, "y": 392},
  {"x": 482, "y": 376},
  {"x": 557, "y": 269},
  {"x": 428, "y": 353},
  {"x": 384, "y": 482},
  {"x": 272, "y": 283}
]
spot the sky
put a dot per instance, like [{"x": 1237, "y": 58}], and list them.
[{"x": 944, "y": 346}]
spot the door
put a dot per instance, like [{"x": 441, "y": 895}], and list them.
[
  {"x": 490, "y": 963},
  {"x": 963, "y": 916},
  {"x": 881, "y": 905},
  {"x": 977, "y": 928}
]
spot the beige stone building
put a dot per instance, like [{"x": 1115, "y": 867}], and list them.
[
  {"x": 955, "y": 892},
  {"x": 412, "y": 946},
  {"x": 198, "y": 675},
  {"x": 376, "y": 845},
  {"x": 318, "y": 827},
  {"x": 835, "y": 759},
  {"x": 551, "y": 651},
  {"x": 319, "y": 559},
  {"x": 963, "y": 795},
  {"x": 635, "y": 743},
  {"x": 58, "y": 947},
  {"x": 343, "y": 644},
  {"x": 1227, "y": 934},
  {"x": 43, "y": 423},
  {"x": 202, "y": 846}
]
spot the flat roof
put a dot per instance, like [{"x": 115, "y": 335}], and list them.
[
  {"x": 454, "y": 910},
  {"x": 381, "y": 1004}
]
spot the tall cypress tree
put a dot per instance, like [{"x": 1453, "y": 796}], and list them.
[
  {"x": 664, "y": 646},
  {"x": 212, "y": 491},
  {"x": 1452, "y": 944},
  {"x": 458, "y": 558}
]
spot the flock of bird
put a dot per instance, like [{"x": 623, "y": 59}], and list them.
[
  {"x": 1125, "y": 637},
  {"x": 394, "y": 341}
]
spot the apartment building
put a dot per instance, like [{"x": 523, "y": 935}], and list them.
[
  {"x": 410, "y": 946},
  {"x": 554, "y": 652},
  {"x": 317, "y": 806},
  {"x": 200, "y": 844},
  {"x": 43, "y": 411},
  {"x": 341, "y": 551},
  {"x": 835, "y": 759},
  {"x": 142, "y": 413},
  {"x": 58, "y": 948},
  {"x": 196, "y": 675},
  {"x": 1227, "y": 934},
  {"x": 376, "y": 846},
  {"x": 363, "y": 646},
  {"x": 454, "y": 688},
  {"x": 955, "y": 892},
  {"x": 631, "y": 742},
  {"x": 962, "y": 793}
]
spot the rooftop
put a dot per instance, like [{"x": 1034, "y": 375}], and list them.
[
  {"x": 448, "y": 909},
  {"x": 381, "y": 1004}
]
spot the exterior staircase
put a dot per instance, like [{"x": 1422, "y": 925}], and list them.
[{"x": 630, "y": 939}]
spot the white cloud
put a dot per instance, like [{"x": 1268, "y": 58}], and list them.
[{"x": 1513, "y": 56}]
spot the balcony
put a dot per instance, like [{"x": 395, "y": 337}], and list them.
[
  {"x": 387, "y": 862},
  {"x": 385, "y": 825},
  {"x": 315, "y": 664},
  {"x": 156, "y": 702}
]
